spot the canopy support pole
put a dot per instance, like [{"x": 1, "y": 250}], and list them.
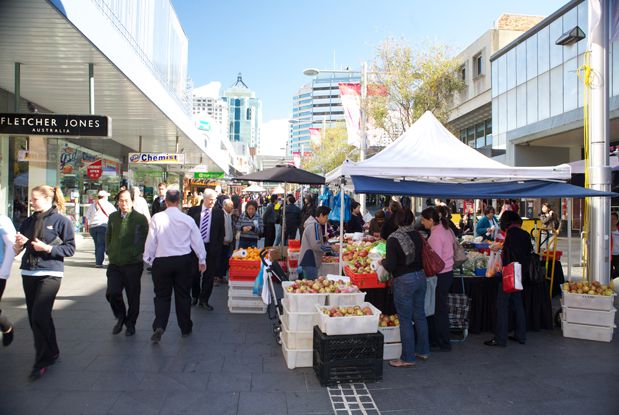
[
  {"x": 569, "y": 238},
  {"x": 342, "y": 183}
]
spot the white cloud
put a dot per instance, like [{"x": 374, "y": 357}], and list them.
[
  {"x": 210, "y": 90},
  {"x": 273, "y": 137}
]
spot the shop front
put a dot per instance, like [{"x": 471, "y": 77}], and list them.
[{"x": 147, "y": 170}]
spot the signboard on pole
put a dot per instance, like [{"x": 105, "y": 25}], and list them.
[
  {"x": 156, "y": 158},
  {"x": 50, "y": 125},
  {"x": 208, "y": 175}
]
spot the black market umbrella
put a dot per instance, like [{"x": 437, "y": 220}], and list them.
[{"x": 284, "y": 174}]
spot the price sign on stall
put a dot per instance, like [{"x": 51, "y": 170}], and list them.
[{"x": 94, "y": 170}]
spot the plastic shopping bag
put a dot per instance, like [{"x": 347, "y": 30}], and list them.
[
  {"x": 494, "y": 264},
  {"x": 512, "y": 277},
  {"x": 430, "y": 301},
  {"x": 259, "y": 282}
]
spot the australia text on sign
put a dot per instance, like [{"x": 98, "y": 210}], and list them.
[{"x": 56, "y": 125}]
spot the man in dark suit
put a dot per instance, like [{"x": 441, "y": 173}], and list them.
[
  {"x": 211, "y": 223},
  {"x": 159, "y": 201}
]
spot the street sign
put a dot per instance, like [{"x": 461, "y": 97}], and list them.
[
  {"x": 94, "y": 170},
  {"x": 208, "y": 175},
  {"x": 50, "y": 125}
]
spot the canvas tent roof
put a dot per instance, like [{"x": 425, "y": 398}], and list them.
[{"x": 427, "y": 151}]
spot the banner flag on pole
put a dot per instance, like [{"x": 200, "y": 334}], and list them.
[
  {"x": 350, "y": 95},
  {"x": 315, "y": 136}
]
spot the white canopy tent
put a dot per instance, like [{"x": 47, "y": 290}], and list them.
[{"x": 427, "y": 151}]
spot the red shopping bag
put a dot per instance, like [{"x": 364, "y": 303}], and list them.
[{"x": 512, "y": 277}]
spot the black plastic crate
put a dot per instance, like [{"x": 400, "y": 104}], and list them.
[
  {"x": 348, "y": 371},
  {"x": 349, "y": 346}
]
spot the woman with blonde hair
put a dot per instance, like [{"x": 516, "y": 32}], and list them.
[{"x": 47, "y": 237}]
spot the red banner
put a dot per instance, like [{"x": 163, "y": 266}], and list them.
[{"x": 95, "y": 170}]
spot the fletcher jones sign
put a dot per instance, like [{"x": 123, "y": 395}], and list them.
[{"x": 56, "y": 125}]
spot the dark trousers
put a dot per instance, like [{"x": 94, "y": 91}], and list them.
[
  {"x": 269, "y": 234},
  {"x": 224, "y": 260},
  {"x": 5, "y": 324},
  {"x": 291, "y": 233},
  {"x": 98, "y": 236},
  {"x": 614, "y": 267},
  {"x": 439, "y": 322},
  {"x": 504, "y": 303},
  {"x": 40, "y": 294},
  {"x": 125, "y": 277},
  {"x": 173, "y": 273}
]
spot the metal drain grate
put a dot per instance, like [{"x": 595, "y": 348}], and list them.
[{"x": 352, "y": 399}]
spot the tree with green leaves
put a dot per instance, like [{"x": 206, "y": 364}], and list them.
[
  {"x": 332, "y": 151},
  {"x": 417, "y": 80}
]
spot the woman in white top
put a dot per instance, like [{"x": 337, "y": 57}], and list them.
[
  {"x": 7, "y": 240},
  {"x": 140, "y": 204}
]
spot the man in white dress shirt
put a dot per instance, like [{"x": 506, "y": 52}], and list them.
[
  {"x": 172, "y": 236},
  {"x": 97, "y": 215}
]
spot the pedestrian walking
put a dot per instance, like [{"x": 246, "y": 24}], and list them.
[
  {"x": 228, "y": 243},
  {"x": 140, "y": 204},
  {"x": 172, "y": 235},
  {"x": 293, "y": 219},
  {"x": 211, "y": 222},
  {"x": 47, "y": 236},
  {"x": 159, "y": 202},
  {"x": 7, "y": 240},
  {"x": 98, "y": 215},
  {"x": 125, "y": 239}
]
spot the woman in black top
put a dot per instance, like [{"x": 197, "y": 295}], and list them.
[
  {"x": 390, "y": 226},
  {"x": 48, "y": 238},
  {"x": 356, "y": 222},
  {"x": 517, "y": 248},
  {"x": 403, "y": 261}
]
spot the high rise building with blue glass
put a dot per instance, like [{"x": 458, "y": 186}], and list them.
[
  {"x": 245, "y": 114},
  {"x": 316, "y": 104}
]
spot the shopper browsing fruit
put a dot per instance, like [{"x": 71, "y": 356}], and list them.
[
  {"x": 403, "y": 261},
  {"x": 313, "y": 246}
]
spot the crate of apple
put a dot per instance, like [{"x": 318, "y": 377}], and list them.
[
  {"x": 388, "y": 320},
  {"x": 321, "y": 285},
  {"x": 357, "y": 319},
  {"x": 347, "y": 311}
]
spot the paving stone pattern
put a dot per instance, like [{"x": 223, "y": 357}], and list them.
[{"x": 232, "y": 365}]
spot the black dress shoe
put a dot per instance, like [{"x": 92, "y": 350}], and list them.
[
  {"x": 156, "y": 337},
  {"x": 516, "y": 339},
  {"x": 130, "y": 331},
  {"x": 118, "y": 326},
  {"x": 194, "y": 301},
  {"x": 36, "y": 374},
  {"x": 494, "y": 343},
  {"x": 7, "y": 337},
  {"x": 207, "y": 306},
  {"x": 186, "y": 333}
]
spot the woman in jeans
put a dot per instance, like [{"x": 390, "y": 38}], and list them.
[
  {"x": 403, "y": 261},
  {"x": 48, "y": 238},
  {"x": 441, "y": 240}
]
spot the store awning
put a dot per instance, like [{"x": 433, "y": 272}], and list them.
[{"x": 530, "y": 189}]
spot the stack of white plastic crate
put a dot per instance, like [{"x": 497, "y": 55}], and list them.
[
  {"x": 393, "y": 343},
  {"x": 242, "y": 300},
  {"x": 589, "y": 317}
]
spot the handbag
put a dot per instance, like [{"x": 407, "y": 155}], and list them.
[
  {"x": 537, "y": 271},
  {"x": 431, "y": 262},
  {"x": 512, "y": 277},
  {"x": 459, "y": 252}
]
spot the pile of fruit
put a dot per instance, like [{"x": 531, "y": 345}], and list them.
[
  {"x": 251, "y": 254},
  {"x": 388, "y": 321},
  {"x": 321, "y": 286},
  {"x": 357, "y": 255},
  {"x": 593, "y": 288},
  {"x": 330, "y": 259},
  {"x": 347, "y": 311}
]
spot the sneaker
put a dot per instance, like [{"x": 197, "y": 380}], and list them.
[
  {"x": 7, "y": 336},
  {"x": 156, "y": 337},
  {"x": 98, "y": 266},
  {"x": 36, "y": 374}
]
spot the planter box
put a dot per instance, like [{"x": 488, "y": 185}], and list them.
[{"x": 333, "y": 326}]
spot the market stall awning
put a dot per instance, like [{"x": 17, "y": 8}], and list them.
[
  {"x": 284, "y": 174},
  {"x": 254, "y": 188},
  {"x": 529, "y": 188}
]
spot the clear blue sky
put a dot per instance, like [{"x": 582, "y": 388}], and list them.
[{"x": 272, "y": 41}]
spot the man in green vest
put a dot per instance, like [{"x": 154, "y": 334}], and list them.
[{"x": 125, "y": 239}]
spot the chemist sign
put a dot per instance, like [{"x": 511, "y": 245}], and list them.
[
  {"x": 56, "y": 125},
  {"x": 156, "y": 158}
]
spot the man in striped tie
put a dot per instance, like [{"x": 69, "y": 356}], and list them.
[{"x": 211, "y": 222}]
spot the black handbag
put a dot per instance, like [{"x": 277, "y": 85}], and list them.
[{"x": 537, "y": 270}]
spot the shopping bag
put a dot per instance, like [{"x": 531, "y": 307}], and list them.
[
  {"x": 459, "y": 253},
  {"x": 431, "y": 262},
  {"x": 430, "y": 300},
  {"x": 512, "y": 277},
  {"x": 494, "y": 264},
  {"x": 381, "y": 272},
  {"x": 537, "y": 270},
  {"x": 258, "y": 282}
]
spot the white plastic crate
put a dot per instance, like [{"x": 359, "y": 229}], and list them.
[
  {"x": 592, "y": 317},
  {"x": 302, "y": 303},
  {"x": 297, "y": 358},
  {"x": 297, "y": 339},
  {"x": 246, "y": 306},
  {"x": 590, "y": 302},
  {"x": 345, "y": 299},
  {"x": 241, "y": 292},
  {"x": 391, "y": 334},
  {"x": 348, "y": 325},
  {"x": 298, "y": 321},
  {"x": 586, "y": 332},
  {"x": 392, "y": 351}
]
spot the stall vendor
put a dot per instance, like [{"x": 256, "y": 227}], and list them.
[
  {"x": 313, "y": 246},
  {"x": 488, "y": 225}
]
